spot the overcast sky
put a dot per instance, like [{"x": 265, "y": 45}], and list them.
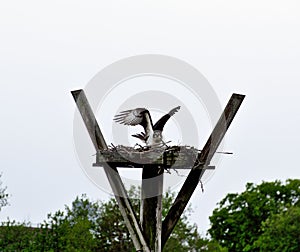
[{"x": 48, "y": 48}]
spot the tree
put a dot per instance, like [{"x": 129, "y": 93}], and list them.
[
  {"x": 110, "y": 231},
  {"x": 281, "y": 232},
  {"x": 112, "y": 234},
  {"x": 69, "y": 230},
  {"x": 16, "y": 236},
  {"x": 3, "y": 196},
  {"x": 238, "y": 220},
  {"x": 96, "y": 226}
]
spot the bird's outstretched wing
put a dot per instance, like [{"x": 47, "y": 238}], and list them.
[
  {"x": 159, "y": 125},
  {"x": 131, "y": 117}
]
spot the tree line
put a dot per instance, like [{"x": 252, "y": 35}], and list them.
[{"x": 264, "y": 217}]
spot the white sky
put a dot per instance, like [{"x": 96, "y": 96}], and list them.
[{"x": 48, "y": 48}]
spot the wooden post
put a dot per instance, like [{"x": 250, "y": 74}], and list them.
[
  {"x": 126, "y": 210},
  {"x": 111, "y": 172},
  {"x": 151, "y": 205},
  {"x": 204, "y": 158}
]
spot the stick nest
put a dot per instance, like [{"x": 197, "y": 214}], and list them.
[{"x": 167, "y": 156}]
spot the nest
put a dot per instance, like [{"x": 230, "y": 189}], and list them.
[{"x": 166, "y": 156}]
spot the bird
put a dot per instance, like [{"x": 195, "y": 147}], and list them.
[{"x": 152, "y": 134}]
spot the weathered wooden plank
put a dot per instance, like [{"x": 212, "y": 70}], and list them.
[
  {"x": 89, "y": 119},
  {"x": 195, "y": 174},
  {"x": 151, "y": 205},
  {"x": 126, "y": 209},
  {"x": 111, "y": 172}
]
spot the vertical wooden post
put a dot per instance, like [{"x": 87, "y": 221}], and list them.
[
  {"x": 111, "y": 172},
  {"x": 204, "y": 158},
  {"x": 151, "y": 205}
]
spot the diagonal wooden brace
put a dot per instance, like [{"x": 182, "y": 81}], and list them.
[
  {"x": 197, "y": 171},
  {"x": 111, "y": 172}
]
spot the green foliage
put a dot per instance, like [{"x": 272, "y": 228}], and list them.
[
  {"x": 70, "y": 230},
  {"x": 112, "y": 234},
  {"x": 96, "y": 226},
  {"x": 237, "y": 222},
  {"x": 185, "y": 236},
  {"x": 281, "y": 232},
  {"x": 3, "y": 196},
  {"x": 16, "y": 236}
]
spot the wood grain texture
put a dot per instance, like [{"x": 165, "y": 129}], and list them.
[{"x": 151, "y": 205}]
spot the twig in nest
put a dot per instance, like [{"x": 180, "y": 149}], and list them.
[
  {"x": 112, "y": 146},
  {"x": 179, "y": 174},
  {"x": 139, "y": 147},
  {"x": 168, "y": 171},
  {"x": 201, "y": 184}
]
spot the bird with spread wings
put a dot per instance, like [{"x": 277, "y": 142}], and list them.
[{"x": 152, "y": 134}]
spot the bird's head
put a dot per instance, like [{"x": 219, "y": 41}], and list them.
[{"x": 157, "y": 136}]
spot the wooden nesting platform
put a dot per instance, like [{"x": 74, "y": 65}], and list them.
[
  {"x": 175, "y": 157},
  {"x": 151, "y": 233}
]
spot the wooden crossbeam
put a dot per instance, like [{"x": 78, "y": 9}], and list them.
[
  {"x": 197, "y": 171},
  {"x": 128, "y": 165},
  {"x": 111, "y": 172}
]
